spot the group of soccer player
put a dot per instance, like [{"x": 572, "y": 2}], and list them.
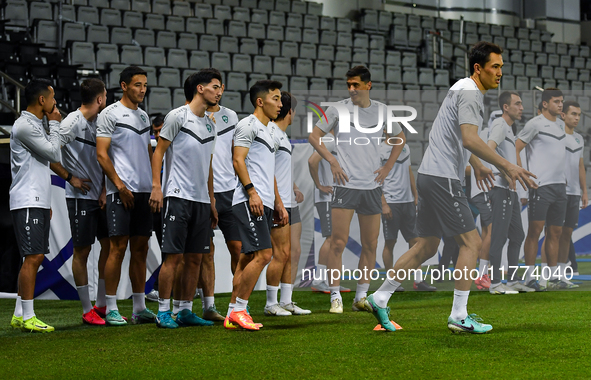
[{"x": 210, "y": 169}]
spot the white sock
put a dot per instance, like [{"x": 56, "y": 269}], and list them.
[
  {"x": 529, "y": 270},
  {"x": 320, "y": 271},
  {"x": 139, "y": 302},
  {"x": 562, "y": 267},
  {"x": 361, "y": 291},
  {"x": 28, "y": 311},
  {"x": 418, "y": 276},
  {"x": 175, "y": 306},
  {"x": 84, "y": 295},
  {"x": 231, "y": 307},
  {"x": 272, "y": 295},
  {"x": 18, "y": 308},
  {"x": 111, "y": 303},
  {"x": 163, "y": 305},
  {"x": 483, "y": 269},
  {"x": 286, "y": 291},
  {"x": 240, "y": 304},
  {"x": 552, "y": 271},
  {"x": 383, "y": 294},
  {"x": 202, "y": 298},
  {"x": 208, "y": 302},
  {"x": 186, "y": 305},
  {"x": 101, "y": 301},
  {"x": 335, "y": 293},
  {"x": 459, "y": 309}
]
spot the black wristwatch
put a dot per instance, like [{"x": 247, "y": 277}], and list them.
[
  {"x": 69, "y": 177},
  {"x": 249, "y": 186}
]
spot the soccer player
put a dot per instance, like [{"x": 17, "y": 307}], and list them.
[
  {"x": 322, "y": 177},
  {"x": 124, "y": 151},
  {"x": 481, "y": 200},
  {"x": 544, "y": 138},
  {"x": 443, "y": 208},
  {"x": 86, "y": 202},
  {"x": 187, "y": 138},
  {"x": 280, "y": 267},
  {"x": 31, "y": 151},
  {"x": 506, "y": 207},
  {"x": 358, "y": 176},
  {"x": 399, "y": 208},
  {"x": 576, "y": 186},
  {"x": 224, "y": 183},
  {"x": 256, "y": 198}
]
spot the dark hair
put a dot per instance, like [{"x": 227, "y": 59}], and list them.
[
  {"x": 129, "y": 72},
  {"x": 35, "y": 88},
  {"x": 91, "y": 88},
  {"x": 569, "y": 103},
  {"x": 203, "y": 77},
  {"x": 288, "y": 102},
  {"x": 549, "y": 93},
  {"x": 359, "y": 71},
  {"x": 480, "y": 53},
  {"x": 505, "y": 98},
  {"x": 540, "y": 106},
  {"x": 262, "y": 87},
  {"x": 158, "y": 120}
]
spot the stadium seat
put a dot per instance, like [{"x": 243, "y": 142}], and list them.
[
  {"x": 87, "y": 14},
  {"x": 573, "y": 50},
  {"x": 399, "y": 35},
  {"x": 310, "y": 36},
  {"x": 277, "y": 18},
  {"x": 322, "y": 69},
  {"x": 311, "y": 21},
  {"x": 82, "y": 53},
  {"x": 307, "y": 51},
  {"x": 256, "y": 31},
  {"x": 133, "y": 19},
  {"x": 168, "y": 77},
  {"x": 237, "y": 28},
  {"x": 295, "y": 20},
  {"x": 536, "y": 46},
  {"x": 537, "y": 81},
  {"x": 39, "y": 11},
  {"x": 518, "y": 69},
  {"x": 361, "y": 40},
  {"x": 260, "y": 16},
  {"x": 531, "y": 70},
  {"x": 154, "y": 56},
  {"x": 177, "y": 58},
  {"x": 579, "y": 62},
  {"x": 377, "y": 73},
  {"x": 315, "y": 8},
  {"x": 426, "y": 76},
  {"x": 241, "y": 14},
  {"x": 326, "y": 52},
  {"x": 298, "y": 83},
  {"x": 393, "y": 74},
  {"x": 327, "y": 23},
  {"x": 229, "y": 45},
  {"x": 123, "y": 5},
  {"x": 289, "y": 49},
  {"x": 221, "y": 61},
  {"x": 344, "y": 39},
  {"x": 441, "y": 77},
  {"x": 512, "y": 43},
  {"x": 203, "y": 11},
  {"x": 195, "y": 25},
  {"x": 293, "y": 34},
  {"x": 572, "y": 74},
  {"x": 144, "y": 37},
  {"x": 339, "y": 69},
  {"x": 507, "y": 68},
  {"x": 298, "y": 7},
  {"x": 110, "y": 17},
  {"x": 393, "y": 58},
  {"x": 242, "y": 63},
  {"x": 549, "y": 83},
  {"x": 231, "y": 3},
  {"x": 178, "y": 97},
  {"x": 236, "y": 81},
  {"x": 113, "y": 75},
  {"x": 283, "y": 80},
  {"x": 159, "y": 100},
  {"x": 344, "y": 25},
  {"x": 576, "y": 85},
  {"x": 98, "y": 34},
  {"x": 343, "y": 53},
  {"x": 553, "y": 60},
  {"x": 409, "y": 59},
  {"x": 541, "y": 59},
  {"x": 232, "y": 100},
  {"x": 175, "y": 24},
  {"x": 415, "y": 36},
  {"x": 262, "y": 64},
  {"x": 187, "y": 41},
  {"x": 508, "y": 82},
  {"x": 155, "y": 22},
  {"x": 561, "y": 49},
  {"x": 276, "y": 32},
  {"x": 141, "y": 6},
  {"x": 522, "y": 84},
  {"x": 377, "y": 57},
  {"x": 410, "y": 75},
  {"x": 328, "y": 37},
  {"x": 46, "y": 33},
  {"x": 550, "y": 48},
  {"x": 199, "y": 59},
  {"x": 166, "y": 40},
  {"x": 223, "y": 12},
  {"x": 106, "y": 53},
  {"x": 584, "y": 51},
  {"x": 360, "y": 55},
  {"x": 565, "y": 61},
  {"x": 584, "y": 75},
  {"x": 304, "y": 67},
  {"x": 121, "y": 36},
  {"x": 131, "y": 55},
  {"x": 208, "y": 43},
  {"x": 163, "y": 7},
  {"x": 214, "y": 27}
]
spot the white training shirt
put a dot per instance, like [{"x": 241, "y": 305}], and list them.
[
  {"x": 224, "y": 177},
  {"x": 502, "y": 134},
  {"x": 545, "y": 150},
  {"x": 186, "y": 162},
  {"x": 31, "y": 151},
  {"x": 283, "y": 166},
  {"x": 474, "y": 190},
  {"x": 446, "y": 156},
  {"x": 574, "y": 152},
  {"x": 129, "y": 131},
  {"x": 260, "y": 161},
  {"x": 325, "y": 174},
  {"x": 396, "y": 187},
  {"x": 358, "y": 161},
  {"x": 78, "y": 139}
]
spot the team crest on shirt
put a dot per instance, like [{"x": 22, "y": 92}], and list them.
[
  {"x": 208, "y": 127},
  {"x": 225, "y": 118},
  {"x": 577, "y": 139},
  {"x": 143, "y": 118}
]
